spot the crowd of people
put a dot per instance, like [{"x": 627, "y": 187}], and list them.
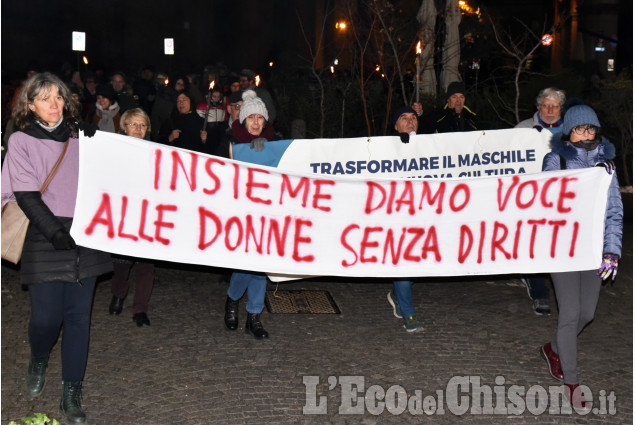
[{"x": 209, "y": 117}]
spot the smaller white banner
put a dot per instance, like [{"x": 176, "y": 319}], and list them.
[{"x": 449, "y": 155}]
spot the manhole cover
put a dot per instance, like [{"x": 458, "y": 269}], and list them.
[{"x": 301, "y": 302}]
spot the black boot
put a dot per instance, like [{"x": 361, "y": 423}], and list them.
[
  {"x": 231, "y": 314},
  {"x": 35, "y": 375},
  {"x": 254, "y": 325},
  {"x": 71, "y": 404},
  {"x": 116, "y": 305}
]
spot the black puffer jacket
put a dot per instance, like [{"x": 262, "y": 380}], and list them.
[{"x": 42, "y": 263}]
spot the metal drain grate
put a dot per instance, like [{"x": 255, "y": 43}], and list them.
[{"x": 301, "y": 302}]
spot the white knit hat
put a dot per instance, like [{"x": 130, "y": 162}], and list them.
[{"x": 252, "y": 104}]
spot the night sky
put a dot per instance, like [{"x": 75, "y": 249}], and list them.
[{"x": 129, "y": 34}]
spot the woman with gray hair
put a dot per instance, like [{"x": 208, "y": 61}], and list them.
[
  {"x": 60, "y": 275},
  {"x": 135, "y": 123},
  {"x": 549, "y": 115}
]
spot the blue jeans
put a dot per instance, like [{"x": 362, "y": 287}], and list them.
[
  {"x": 254, "y": 283},
  {"x": 403, "y": 291},
  {"x": 58, "y": 304}
]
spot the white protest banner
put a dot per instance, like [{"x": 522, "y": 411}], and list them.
[
  {"x": 449, "y": 155},
  {"x": 147, "y": 200}
]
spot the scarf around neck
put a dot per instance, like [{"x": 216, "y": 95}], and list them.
[
  {"x": 60, "y": 133},
  {"x": 241, "y": 134},
  {"x": 106, "y": 122}
]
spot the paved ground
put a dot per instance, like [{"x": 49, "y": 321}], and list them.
[{"x": 188, "y": 369}]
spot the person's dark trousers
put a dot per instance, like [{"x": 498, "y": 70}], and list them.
[
  {"x": 144, "y": 278},
  {"x": 538, "y": 286},
  {"x": 54, "y": 305}
]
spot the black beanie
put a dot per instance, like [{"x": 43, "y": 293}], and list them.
[
  {"x": 106, "y": 90},
  {"x": 456, "y": 87},
  {"x": 236, "y": 97},
  {"x": 400, "y": 112}
]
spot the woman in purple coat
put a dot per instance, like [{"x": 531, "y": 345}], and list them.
[{"x": 60, "y": 275}]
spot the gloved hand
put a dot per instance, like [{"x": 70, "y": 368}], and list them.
[
  {"x": 405, "y": 137},
  {"x": 608, "y": 267},
  {"x": 258, "y": 144},
  {"x": 608, "y": 165},
  {"x": 538, "y": 127},
  {"x": 89, "y": 129},
  {"x": 63, "y": 240}
]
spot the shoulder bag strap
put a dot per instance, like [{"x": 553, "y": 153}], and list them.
[{"x": 55, "y": 167}]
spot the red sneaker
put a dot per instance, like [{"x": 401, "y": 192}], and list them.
[{"x": 553, "y": 360}]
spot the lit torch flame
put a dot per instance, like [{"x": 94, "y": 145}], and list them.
[
  {"x": 419, "y": 47},
  {"x": 85, "y": 60},
  {"x": 377, "y": 68},
  {"x": 166, "y": 82},
  {"x": 257, "y": 80},
  {"x": 211, "y": 85}
]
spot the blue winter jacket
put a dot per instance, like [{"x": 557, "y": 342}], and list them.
[{"x": 580, "y": 158}]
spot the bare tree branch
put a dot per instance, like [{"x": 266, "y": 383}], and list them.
[
  {"x": 313, "y": 64},
  {"x": 394, "y": 49},
  {"x": 520, "y": 52}
]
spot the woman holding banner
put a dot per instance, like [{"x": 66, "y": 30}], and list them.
[
  {"x": 581, "y": 146},
  {"x": 135, "y": 123},
  {"x": 251, "y": 127},
  {"x": 61, "y": 276}
]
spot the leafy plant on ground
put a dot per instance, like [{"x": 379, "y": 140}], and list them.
[{"x": 37, "y": 419}]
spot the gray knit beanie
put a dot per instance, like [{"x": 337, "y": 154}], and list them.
[
  {"x": 579, "y": 115},
  {"x": 252, "y": 104}
]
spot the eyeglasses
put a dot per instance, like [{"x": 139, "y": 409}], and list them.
[
  {"x": 579, "y": 130},
  {"x": 236, "y": 106},
  {"x": 135, "y": 125}
]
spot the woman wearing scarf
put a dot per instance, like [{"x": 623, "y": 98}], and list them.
[
  {"x": 251, "y": 127},
  {"x": 107, "y": 115},
  {"x": 60, "y": 275},
  {"x": 581, "y": 146}
]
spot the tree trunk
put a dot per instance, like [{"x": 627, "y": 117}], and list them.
[
  {"x": 427, "y": 17},
  {"x": 451, "y": 45}
]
